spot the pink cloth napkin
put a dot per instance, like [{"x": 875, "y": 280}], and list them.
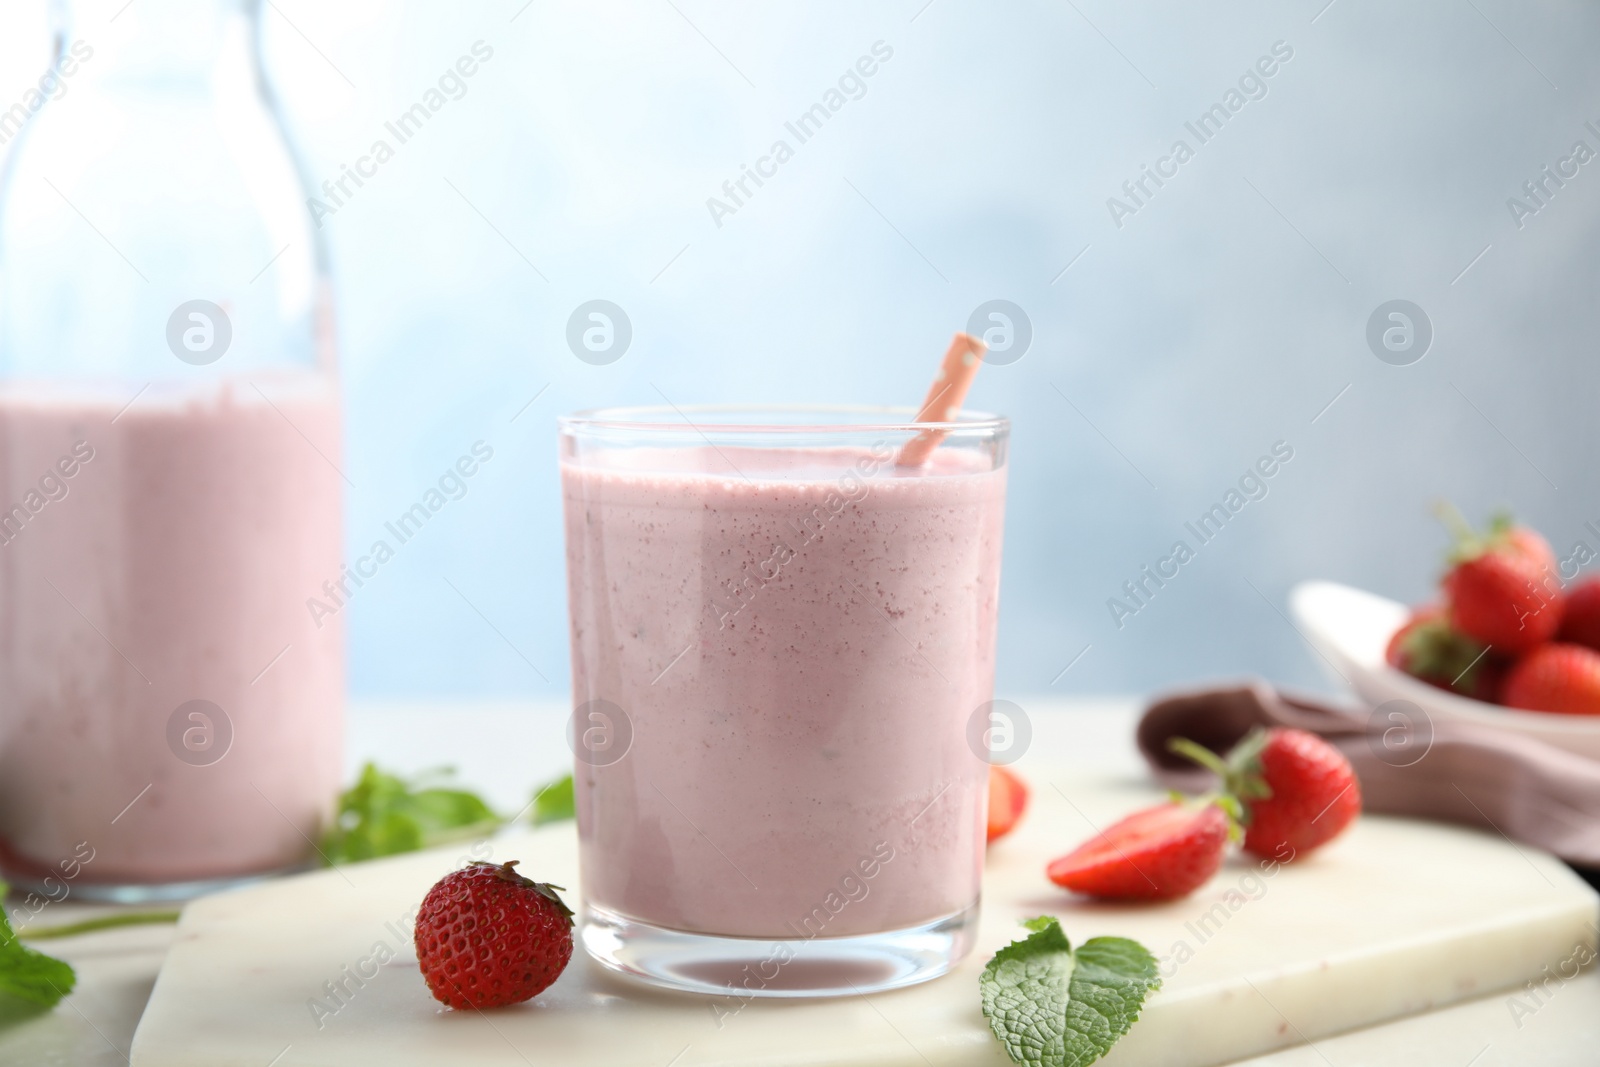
[{"x": 1478, "y": 775}]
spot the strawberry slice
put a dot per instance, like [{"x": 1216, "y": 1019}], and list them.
[
  {"x": 1008, "y": 799},
  {"x": 1160, "y": 853}
]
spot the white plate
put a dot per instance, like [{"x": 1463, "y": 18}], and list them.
[{"x": 1351, "y": 629}]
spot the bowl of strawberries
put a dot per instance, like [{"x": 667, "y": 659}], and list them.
[{"x": 1506, "y": 643}]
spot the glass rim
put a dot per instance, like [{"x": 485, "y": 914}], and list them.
[{"x": 679, "y": 418}]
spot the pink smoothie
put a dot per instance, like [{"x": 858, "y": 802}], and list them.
[
  {"x": 798, "y": 650},
  {"x": 149, "y": 558}
]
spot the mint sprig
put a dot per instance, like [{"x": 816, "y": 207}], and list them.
[
  {"x": 385, "y": 815},
  {"x": 28, "y": 975},
  {"x": 554, "y": 802},
  {"x": 1051, "y": 1006},
  {"x": 104, "y": 922}
]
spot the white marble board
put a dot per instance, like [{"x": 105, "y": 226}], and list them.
[{"x": 1396, "y": 917}]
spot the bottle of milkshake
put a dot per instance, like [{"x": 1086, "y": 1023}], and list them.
[{"x": 170, "y": 467}]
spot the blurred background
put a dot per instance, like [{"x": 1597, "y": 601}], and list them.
[{"x": 1164, "y": 335}]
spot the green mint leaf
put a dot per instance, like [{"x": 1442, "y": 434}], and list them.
[
  {"x": 1051, "y": 1006},
  {"x": 383, "y": 814},
  {"x": 28, "y": 975},
  {"x": 554, "y": 802},
  {"x": 449, "y": 811}
]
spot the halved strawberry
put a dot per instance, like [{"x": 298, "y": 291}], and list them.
[
  {"x": 1160, "y": 853},
  {"x": 1008, "y": 799}
]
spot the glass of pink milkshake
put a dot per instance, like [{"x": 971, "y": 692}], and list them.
[{"x": 779, "y": 639}]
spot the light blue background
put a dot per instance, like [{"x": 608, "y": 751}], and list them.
[{"x": 1223, "y": 317}]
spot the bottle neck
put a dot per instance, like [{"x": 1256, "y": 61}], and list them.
[{"x": 155, "y": 43}]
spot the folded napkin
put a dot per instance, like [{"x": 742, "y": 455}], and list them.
[{"x": 1469, "y": 773}]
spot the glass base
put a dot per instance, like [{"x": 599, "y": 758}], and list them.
[{"x": 747, "y": 967}]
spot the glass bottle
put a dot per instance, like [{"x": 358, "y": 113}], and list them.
[{"x": 170, "y": 483}]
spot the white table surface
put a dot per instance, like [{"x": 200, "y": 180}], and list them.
[{"x": 503, "y": 750}]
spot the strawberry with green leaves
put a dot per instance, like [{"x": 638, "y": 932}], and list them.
[
  {"x": 486, "y": 936},
  {"x": 1430, "y": 649},
  {"x": 1502, "y": 585},
  {"x": 1295, "y": 791}
]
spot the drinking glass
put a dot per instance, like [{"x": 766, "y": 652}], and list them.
[{"x": 781, "y": 643}]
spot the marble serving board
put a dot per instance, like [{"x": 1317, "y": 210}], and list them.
[{"x": 1394, "y": 918}]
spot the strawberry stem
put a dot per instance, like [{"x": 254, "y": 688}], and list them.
[
  {"x": 1201, "y": 755},
  {"x": 1234, "y": 809},
  {"x": 1239, "y": 771},
  {"x": 1468, "y": 543},
  {"x": 1455, "y": 523}
]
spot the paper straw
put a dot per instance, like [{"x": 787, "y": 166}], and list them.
[{"x": 945, "y": 395}]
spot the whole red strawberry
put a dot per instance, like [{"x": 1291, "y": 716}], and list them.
[
  {"x": 486, "y": 936},
  {"x": 1580, "y": 622},
  {"x": 1297, "y": 791},
  {"x": 1502, "y": 585},
  {"x": 1160, "y": 853},
  {"x": 1428, "y": 648},
  {"x": 1564, "y": 679},
  {"x": 1314, "y": 794}
]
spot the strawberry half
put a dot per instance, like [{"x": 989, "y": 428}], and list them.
[
  {"x": 486, "y": 936},
  {"x": 1501, "y": 585},
  {"x": 1429, "y": 649},
  {"x": 1160, "y": 853},
  {"x": 1559, "y": 678},
  {"x": 1296, "y": 791},
  {"x": 1008, "y": 799}
]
